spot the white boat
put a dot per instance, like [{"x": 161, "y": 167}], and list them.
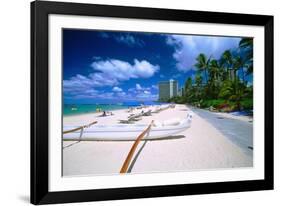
[
  {"x": 122, "y": 132},
  {"x": 158, "y": 109}
]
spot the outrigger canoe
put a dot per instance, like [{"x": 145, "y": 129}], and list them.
[{"x": 122, "y": 132}]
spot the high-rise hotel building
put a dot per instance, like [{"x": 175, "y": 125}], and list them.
[{"x": 167, "y": 89}]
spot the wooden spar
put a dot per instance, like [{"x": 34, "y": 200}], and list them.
[
  {"x": 79, "y": 128},
  {"x": 133, "y": 149}
]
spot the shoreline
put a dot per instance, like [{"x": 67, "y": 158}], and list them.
[
  {"x": 241, "y": 117},
  {"x": 110, "y": 109},
  {"x": 91, "y": 112},
  {"x": 196, "y": 148},
  {"x": 91, "y": 116}
]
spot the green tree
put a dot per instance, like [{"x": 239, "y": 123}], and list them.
[
  {"x": 202, "y": 64},
  {"x": 188, "y": 84},
  {"x": 188, "y": 88},
  {"x": 213, "y": 70},
  {"x": 246, "y": 46},
  {"x": 239, "y": 94},
  {"x": 222, "y": 82},
  {"x": 198, "y": 80},
  {"x": 198, "y": 89},
  {"x": 226, "y": 90},
  {"x": 227, "y": 61},
  {"x": 237, "y": 65},
  {"x": 215, "y": 77}
]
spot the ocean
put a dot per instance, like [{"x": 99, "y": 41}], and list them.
[
  {"x": 71, "y": 109},
  {"x": 74, "y": 109}
]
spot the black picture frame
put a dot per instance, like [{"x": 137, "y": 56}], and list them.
[{"x": 39, "y": 102}]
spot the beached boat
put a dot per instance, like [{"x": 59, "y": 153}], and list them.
[{"x": 121, "y": 132}]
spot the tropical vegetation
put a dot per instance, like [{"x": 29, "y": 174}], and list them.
[{"x": 222, "y": 84}]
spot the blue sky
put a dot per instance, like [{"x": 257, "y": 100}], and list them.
[{"x": 116, "y": 67}]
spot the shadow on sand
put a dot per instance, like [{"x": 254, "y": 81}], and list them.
[
  {"x": 71, "y": 144},
  {"x": 158, "y": 139},
  {"x": 143, "y": 145}
]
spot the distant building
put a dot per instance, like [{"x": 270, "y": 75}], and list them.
[{"x": 167, "y": 89}]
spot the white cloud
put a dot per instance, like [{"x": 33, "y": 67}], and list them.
[
  {"x": 138, "y": 87},
  {"x": 122, "y": 70},
  {"x": 106, "y": 95},
  {"x": 96, "y": 58},
  {"x": 117, "y": 89},
  {"x": 187, "y": 48},
  {"x": 121, "y": 94},
  {"x": 154, "y": 87},
  {"x": 175, "y": 76},
  {"x": 107, "y": 73},
  {"x": 125, "y": 38},
  {"x": 144, "y": 93},
  {"x": 146, "y": 96},
  {"x": 102, "y": 79},
  {"x": 96, "y": 95},
  {"x": 129, "y": 40},
  {"x": 84, "y": 85},
  {"x": 104, "y": 35}
]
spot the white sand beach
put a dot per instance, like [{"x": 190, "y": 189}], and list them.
[{"x": 201, "y": 147}]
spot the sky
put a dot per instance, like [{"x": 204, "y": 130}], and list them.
[{"x": 116, "y": 67}]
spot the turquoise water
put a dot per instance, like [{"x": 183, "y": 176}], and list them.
[
  {"x": 71, "y": 109},
  {"x": 74, "y": 109}
]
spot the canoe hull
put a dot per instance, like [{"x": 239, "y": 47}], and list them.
[
  {"x": 96, "y": 134},
  {"x": 128, "y": 132}
]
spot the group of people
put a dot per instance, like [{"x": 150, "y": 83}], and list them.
[{"x": 105, "y": 113}]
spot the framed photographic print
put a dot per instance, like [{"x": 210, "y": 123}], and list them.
[{"x": 133, "y": 102}]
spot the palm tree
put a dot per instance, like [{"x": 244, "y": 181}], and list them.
[
  {"x": 198, "y": 80},
  {"x": 202, "y": 64},
  {"x": 188, "y": 87},
  {"x": 238, "y": 95},
  {"x": 215, "y": 70},
  {"x": 215, "y": 77},
  {"x": 223, "y": 73},
  {"x": 249, "y": 67},
  {"x": 198, "y": 89},
  {"x": 246, "y": 42},
  {"x": 226, "y": 90},
  {"x": 238, "y": 63},
  {"x": 246, "y": 46},
  {"x": 227, "y": 61}
]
